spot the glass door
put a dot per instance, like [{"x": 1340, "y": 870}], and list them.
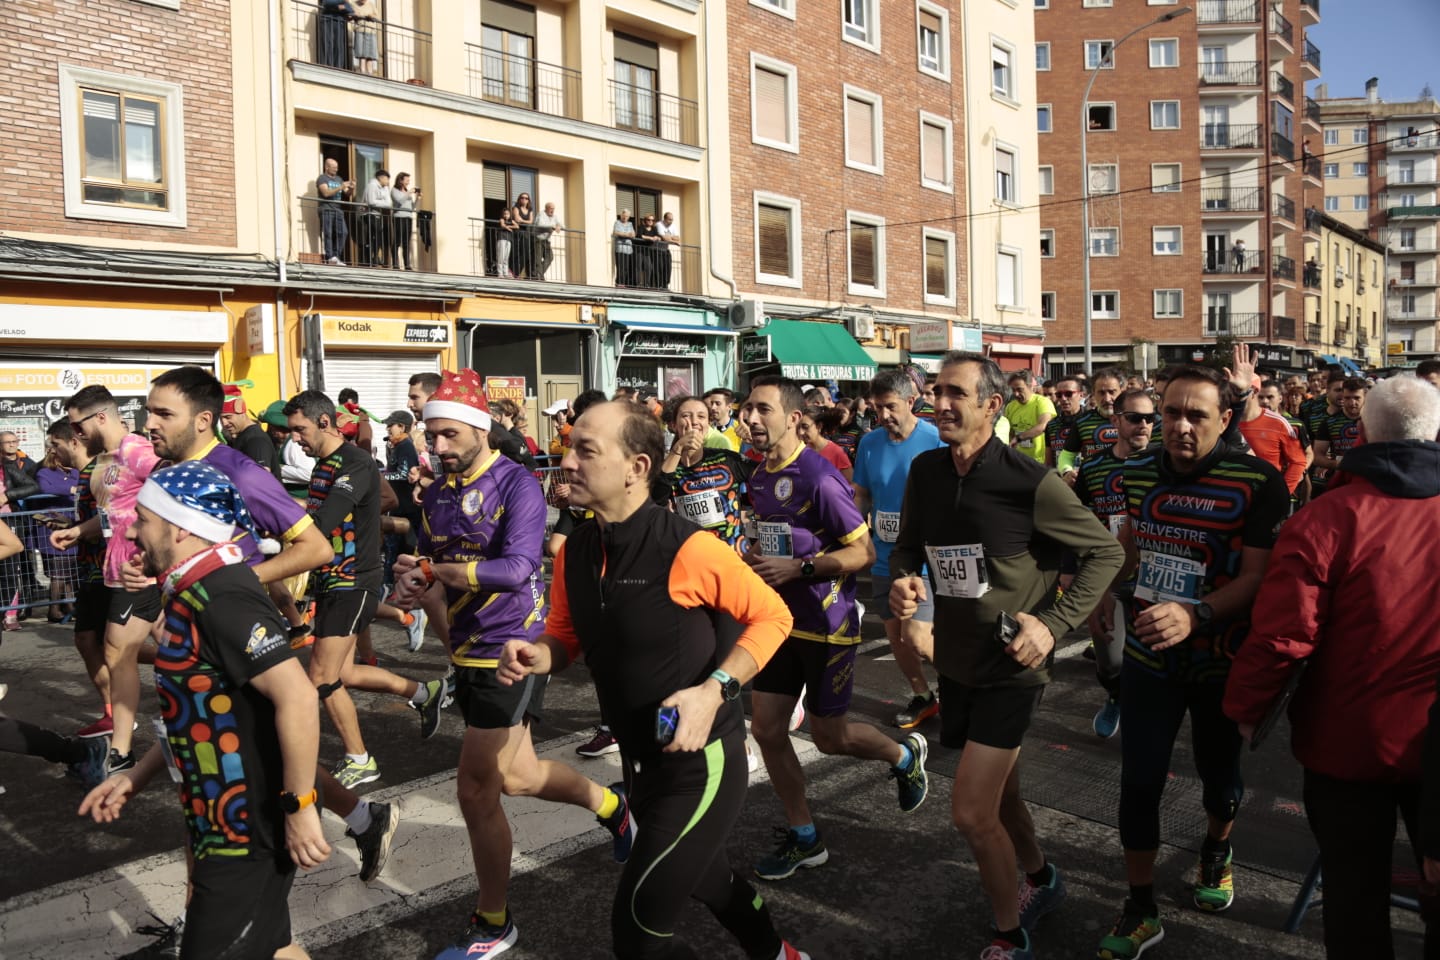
[{"x": 1215, "y": 126}]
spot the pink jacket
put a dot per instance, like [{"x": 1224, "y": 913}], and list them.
[{"x": 136, "y": 459}]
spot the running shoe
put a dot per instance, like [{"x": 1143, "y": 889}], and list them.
[
  {"x": 481, "y": 939},
  {"x": 602, "y": 743},
  {"x": 1002, "y": 949},
  {"x": 918, "y": 710},
  {"x": 1136, "y": 930},
  {"x": 4, "y": 689},
  {"x": 790, "y": 855},
  {"x": 301, "y": 636},
  {"x": 116, "y": 763},
  {"x": 620, "y": 824},
  {"x": 787, "y": 952},
  {"x": 93, "y": 769},
  {"x": 1107, "y": 719},
  {"x": 430, "y": 710},
  {"x": 374, "y": 843},
  {"x": 913, "y": 782},
  {"x": 449, "y": 697},
  {"x": 103, "y": 727},
  {"x": 797, "y": 714},
  {"x": 352, "y": 774},
  {"x": 415, "y": 627},
  {"x": 166, "y": 945},
  {"x": 1214, "y": 883},
  {"x": 1036, "y": 901},
  {"x": 752, "y": 762}
]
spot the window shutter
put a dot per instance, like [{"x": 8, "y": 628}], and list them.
[
  {"x": 1005, "y": 278},
  {"x": 862, "y": 255},
  {"x": 642, "y": 53},
  {"x": 937, "y": 262},
  {"x": 773, "y": 233},
  {"x": 860, "y": 131},
  {"x": 932, "y": 153},
  {"x": 929, "y": 21},
  {"x": 771, "y": 105},
  {"x": 494, "y": 183}
]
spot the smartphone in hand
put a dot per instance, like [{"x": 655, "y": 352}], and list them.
[
  {"x": 1007, "y": 628},
  {"x": 667, "y": 721}
]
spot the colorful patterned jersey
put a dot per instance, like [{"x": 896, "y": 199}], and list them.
[
  {"x": 345, "y": 504},
  {"x": 494, "y": 520},
  {"x": 1093, "y": 432},
  {"x": 1057, "y": 434},
  {"x": 711, "y": 493},
  {"x": 89, "y": 554},
  {"x": 1342, "y": 433},
  {"x": 1101, "y": 487},
  {"x": 1313, "y": 413},
  {"x": 1191, "y": 532},
  {"x": 848, "y": 439},
  {"x": 803, "y": 508}
]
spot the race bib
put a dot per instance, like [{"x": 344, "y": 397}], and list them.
[
  {"x": 1117, "y": 522},
  {"x": 162, "y": 736},
  {"x": 959, "y": 571},
  {"x": 775, "y": 540},
  {"x": 887, "y": 525},
  {"x": 105, "y": 528},
  {"x": 1026, "y": 443},
  {"x": 1163, "y": 578},
  {"x": 706, "y": 509}
]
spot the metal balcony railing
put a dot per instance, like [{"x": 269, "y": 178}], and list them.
[
  {"x": 1312, "y": 333},
  {"x": 1312, "y": 110},
  {"x": 371, "y": 47},
  {"x": 1342, "y": 334},
  {"x": 1311, "y": 167},
  {"x": 1223, "y": 323},
  {"x": 1311, "y": 54},
  {"x": 1281, "y": 27},
  {"x": 1418, "y": 278},
  {"x": 526, "y": 253},
  {"x": 1425, "y": 213},
  {"x": 1227, "y": 11},
  {"x": 1230, "y": 136},
  {"x": 1231, "y": 199},
  {"x": 1233, "y": 262},
  {"x": 1281, "y": 86},
  {"x": 1310, "y": 275},
  {"x": 655, "y": 114},
  {"x": 1419, "y": 141},
  {"x": 1282, "y": 267},
  {"x": 652, "y": 266},
  {"x": 1231, "y": 73},
  {"x": 1312, "y": 220},
  {"x": 339, "y": 233},
  {"x": 1284, "y": 328},
  {"x": 1283, "y": 207},
  {"x": 1282, "y": 146},
  {"x": 522, "y": 82}
]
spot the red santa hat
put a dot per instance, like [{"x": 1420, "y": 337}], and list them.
[
  {"x": 234, "y": 400},
  {"x": 460, "y": 397}
]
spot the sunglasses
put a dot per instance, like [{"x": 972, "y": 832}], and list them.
[
  {"x": 1065, "y": 393},
  {"x": 76, "y": 424},
  {"x": 1135, "y": 419}
]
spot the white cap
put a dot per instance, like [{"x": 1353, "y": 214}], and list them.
[{"x": 556, "y": 407}]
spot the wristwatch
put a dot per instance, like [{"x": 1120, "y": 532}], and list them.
[
  {"x": 807, "y": 567},
  {"x": 729, "y": 686},
  {"x": 293, "y": 804},
  {"x": 1203, "y": 614}
]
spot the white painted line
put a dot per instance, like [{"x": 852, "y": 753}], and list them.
[{"x": 1071, "y": 651}]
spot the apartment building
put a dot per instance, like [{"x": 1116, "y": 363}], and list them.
[
  {"x": 1381, "y": 173},
  {"x": 1348, "y": 268},
  {"x": 1202, "y": 172},
  {"x": 878, "y": 183}
]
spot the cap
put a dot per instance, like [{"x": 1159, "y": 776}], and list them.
[
  {"x": 460, "y": 397},
  {"x": 199, "y": 498},
  {"x": 557, "y": 407},
  {"x": 234, "y": 400},
  {"x": 400, "y": 418},
  {"x": 274, "y": 415}
]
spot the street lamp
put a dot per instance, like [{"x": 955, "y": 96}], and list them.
[{"x": 1085, "y": 168}]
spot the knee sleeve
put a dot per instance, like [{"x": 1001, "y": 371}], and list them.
[
  {"x": 1222, "y": 799},
  {"x": 327, "y": 690}
]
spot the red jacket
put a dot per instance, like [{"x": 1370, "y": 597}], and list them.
[{"x": 1351, "y": 586}]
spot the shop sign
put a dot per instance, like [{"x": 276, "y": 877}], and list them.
[
  {"x": 644, "y": 379},
  {"x": 505, "y": 388},
  {"x": 827, "y": 371},
  {"x": 754, "y": 349},
  {"x": 649, "y": 343},
  {"x": 1275, "y": 356},
  {"x": 930, "y": 337},
  {"x": 260, "y": 329},
  {"x": 381, "y": 332},
  {"x": 969, "y": 339},
  {"x": 28, "y": 321},
  {"x": 1395, "y": 347}
]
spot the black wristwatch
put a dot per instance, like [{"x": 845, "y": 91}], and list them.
[
  {"x": 729, "y": 686},
  {"x": 807, "y": 568},
  {"x": 1204, "y": 614}
]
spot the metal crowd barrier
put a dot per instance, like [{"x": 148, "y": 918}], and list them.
[{"x": 40, "y": 575}]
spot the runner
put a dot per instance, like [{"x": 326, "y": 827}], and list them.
[
  {"x": 1093, "y": 430},
  {"x": 720, "y": 403},
  {"x": 1316, "y": 412},
  {"x": 993, "y": 548},
  {"x": 706, "y": 484},
  {"x": 1340, "y": 432},
  {"x": 479, "y": 545},
  {"x": 1203, "y": 519},
  {"x": 345, "y": 503},
  {"x": 1272, "y": 438},
  {"x": 1028, "y": 413},
  {"x": 230, "y": 683},
  {"x": 1068, "y": 400},
  {"x": 882, "y": 464},
  {"x": 812, "y": 541},
  {"x": 1273, "y": 398}
]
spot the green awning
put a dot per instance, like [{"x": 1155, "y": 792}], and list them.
[{"x": 816, "y": 351}]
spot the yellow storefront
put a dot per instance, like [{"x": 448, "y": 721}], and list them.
[{"x": 373, "y": 355}]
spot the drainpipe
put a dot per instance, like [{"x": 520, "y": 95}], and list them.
[
  {"x": 732, "y": 357},
  {"x": 276, "y": 134}
]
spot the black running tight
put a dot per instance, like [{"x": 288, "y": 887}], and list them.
[{"x": 17, "y": 736}]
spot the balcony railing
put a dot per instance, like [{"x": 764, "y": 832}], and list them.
[
  {"x": 526, "y": 254},
  {"x": 1312, "y": 110},
  {"x": 1282, "y": 207},
  {"x": 1227, "y": 11},
  {"x": 1233, "y": 262},
  {"x": 1284, "y": 328},
  {"x": 1231, "y": 73},
  {"x": 372, "y": 47},
  {"x": 1281, "y": 27},
  {"x": 655, "y": 114},
  {"x": 1419, "y": 278},
  {"x": 1282, "y": 267},
  {"x": 1312, "y": 220},
  {"x": 1311, "y": 55},
  {"x": 1312, "y": 333},
  {"x": 651, "y": 266},
  {"x": 1426, "y": 213},
  {"x": 1230, "y": 136},
  {"x": 1310, "y": 275},
  {"x": 1231, "y": 199},
  {"x": 1282, "y": 146},
  {"x": 1281, "y": 86},
  {"x": 522, "y": 82},
  {"x": 1419, "y": 141},
  {"x": 1342, "y": 334},
  {"x": 1222, "y": 323},
  {"x": 1362, "y": 337},
  {"x": 1311, "y": 167},
  {"x": 1311, "y": 5},
  {"x": 338, "y": 233}
]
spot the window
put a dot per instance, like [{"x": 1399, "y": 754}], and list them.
[
  {"x": 637, "y": 75},
  {"x": 1165, "y": 53},
  {"x": 508, "y": 39},
  {"x": 1332, "y": 138},
  {"x": 1043, "y": 119},
  {"x": 1164, "y": 114},
  {"x": 1407, "y": 304},
  {"x": 1105, "y": 304},
  {"x": 1360, "y": 202},
  {"x": 1165, "y": 241},
  {"x": 1042, "y": 56},
  {"x": 1407, "y": 238},
  {"x": 1332, "y": 170},
  {"x": 937, "y": 165},
  {"x": 1104, "y": 178},
  {"x": 939, "y": 266},
  {"x": 1169, "y": 304},
  {"x": 1405, "y": 200},
  {"x": 1404, "y": 171},
  {"x": 1360, "y": 135},
  {"x": 773, "y": 104},
  {"x": 1100, "y": 116},
  {"x": 861, "y": 25},
  {"x": 864, "y": 146},
  {"x": 777, "y": 240},
  {"x": 122, "y": 141},
  {"x": 1047, "y": 243},
  {"x": 1006, "y": 189},
  {"x": 786, "y": 8},
  {"x": 1002, "y": 70},
  {"x": 1359, "y": 169},
  {"x": 1164, "y": 178},
  {"x": 1098, "y": 3},
  {"x": 1047, "y": 305},
  {"x": 866, "y": 241},
  {"x": 1332, "y": 204},
  {"x": 932, "y": 23},
  {"x": 1042, "y": 4},
  {"x": 1097, "y": 53},
  {"x": 1047, "y": 180},
  {"x": 1007, "y": 277},
  {"x": 1104, "y": 241}
]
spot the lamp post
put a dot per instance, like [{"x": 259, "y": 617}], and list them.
[{"x": 1085, "y": 170}]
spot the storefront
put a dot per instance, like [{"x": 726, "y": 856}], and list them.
[
  {"x": 930, "y": 341},
  {"x": 812, "y": 352},
  {"x": 374, "y": 356},
  {"x": 667, "y": 352}
]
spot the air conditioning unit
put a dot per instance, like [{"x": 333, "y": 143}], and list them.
[
  {"x": 748, "y": 315},
  {"x": 860, "y": 325}
]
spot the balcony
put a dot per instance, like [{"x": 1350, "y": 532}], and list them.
[
  {"x": 1311, "y": 8},
  {"x": 1310, "y": 59},
  {"x": 1310, "y": 275},
  {"x": 1362, "y": 337},
  {"x": 1284, "y": 328},
  {"x": 1281, "y": 86},
  {"x": 1407, "y": 213},
  {"x": 1230, "y": 73},
  {"x": 1411, "y": 177},
  {"x": 1417, "y": 278},
  {"x": 1312, "y": 112},
  {"x": 371, "y": 47},
  {"x": 1282, "y": 267},
  {"x": 525, "y": 255},
  {"x": 1231, "y": 200},
  {"x": 1311, "y": 168},
  {"x": 1312, "y": 333},
  {"x": 1227, "y": 11},
  {"x": 1312, "y": 220},
  {"x": 651, "y": 267},
  {"x": 341, "y": 234},
  {"x": 1222, "y": 323},
  {"x": 1217, "y": 265},
  {"x": 1282, "y": 207},
  {"x": 1420, "y": 141},
  {"x": 521, "y": 82},
  {"x": 1342, "y": 333},
  {"x": 1230, "y": 136},
  {"x": 646, "y": 111},
  {"x": 1281, "y": 29},
  {"x": 1282, "y": 147}
]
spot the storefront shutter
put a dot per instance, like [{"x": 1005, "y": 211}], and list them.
[{"x": 382, "y": 380}]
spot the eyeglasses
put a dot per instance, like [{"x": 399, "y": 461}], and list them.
[
  {"x": 1135, "y": 419},
  {"x": 1065, "y": 393},
  {"x": 77, "y": 424}
]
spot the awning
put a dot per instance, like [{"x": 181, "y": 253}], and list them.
[
  {"x": 810, "y": 350},
  {"x": 674, "y": 328},
  {"x": 1327, "y": 358},
  {"x": 929, "y": 362},
  {"x": 1351, "y": 366}
]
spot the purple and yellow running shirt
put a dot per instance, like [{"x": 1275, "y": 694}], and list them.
[
  {"x": 277, "y": 515},
  {"x": 803, "y": 508},
  {"x": 492, "y": 519}
]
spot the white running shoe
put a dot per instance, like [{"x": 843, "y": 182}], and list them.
[{"x": 797, "y": 716}]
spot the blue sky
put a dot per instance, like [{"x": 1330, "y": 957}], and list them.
[{"x": 1395, "y": 40}]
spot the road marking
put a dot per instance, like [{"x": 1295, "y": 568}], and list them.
[{"x": 1073, "y": 650}]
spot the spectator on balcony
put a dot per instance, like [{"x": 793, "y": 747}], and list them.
[
  {"x": 403, "y": 200},
  {"x": 546, "y": 226},
  {"x": 669, "y": 244},
  {"x": 647, "y": 252},
  {"x": 333, "y": 37},
  {"x": 623, "y": 238},
  {"x": 524, "y": 214},
  {"x": 367, "y": 44},
  {"x": 379, "y": 209},
  {"x": 1312, "y": 273},
  {"x": 333, "y": 193},
  {"x": 1237, "y": 255},
  {"x": 504, "y": 243}
]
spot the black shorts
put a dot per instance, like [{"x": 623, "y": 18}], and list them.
[
  {"x": 126, "y": 605},
  {"x": 92, "y": 606},
  {"x": 994, "y": 716},
  {"x": 239, "y": 909},
  {"x": 487, "y": 704},
  {"x": 826, "y": 671},
  {"x": 344, "y": 613}
]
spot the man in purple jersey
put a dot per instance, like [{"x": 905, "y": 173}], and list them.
[{"x": 811, "y": 540}]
